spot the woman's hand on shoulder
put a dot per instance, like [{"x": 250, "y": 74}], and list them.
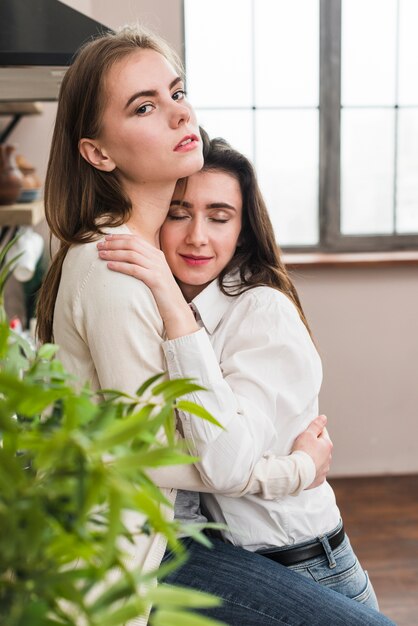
[
  {"x": 316, "y": 442},
  {"x": 131, "y": 255}
]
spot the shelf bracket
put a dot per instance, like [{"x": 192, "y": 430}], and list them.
[{"x": 10, "y": 126}]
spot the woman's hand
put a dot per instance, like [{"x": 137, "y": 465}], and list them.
[
  {"x": 131, "y": 255},
  {"x": 316, "y": 442}
]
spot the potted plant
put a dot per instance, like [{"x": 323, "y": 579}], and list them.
[{"x": 73, "y": 466}]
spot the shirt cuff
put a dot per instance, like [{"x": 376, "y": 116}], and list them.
[
  {"x": 275, "y": 477},
  {"x": 307, "y": 470}
]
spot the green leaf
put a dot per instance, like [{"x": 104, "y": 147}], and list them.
[
  {"x": 23, "y": 344},
  {"x": 123, "y": 431},
  {"x": 15, "y": 361},
  {"x": 111, "y": 395},
  {"x": 151, "y": 510},
  {"x": 181, "y": 596},
  {"x": 153, "y": 458},
  {"x": 133, "y": 608},
  {"x": 165, "y": 456},
  {"x": 195, "y": 409},
  {"x": 5, "y": 249},
  {"x": 6, "y": 271},
  {"x": 172, "y": 389},
  {"x": 140, "y": 391},
  {"x": 28, "y": 399},
  {"x": 78, "y": 411},
  {"x": 195, "y": 531},
  {"x": 47, "y": 351},
  {"x": 121, "y": 588},
  {"x": 165, "y": 617},
  {"x": 146, "y": 485},
  {"x": 4, "y": 336},
  {"x": 7, "y": 423},
  {"x": 114, "y": 527}
]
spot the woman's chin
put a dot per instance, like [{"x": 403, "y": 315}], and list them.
[{"x": 192, "y": 164}]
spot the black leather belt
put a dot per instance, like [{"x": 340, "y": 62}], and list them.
[{"x": 292, "y": 555}]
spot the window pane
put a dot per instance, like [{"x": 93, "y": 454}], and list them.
[
  {"x": 234, "y": 126},
  {"x": 407, "y": 183},
  {"x": 219, "y": 52},
  {"x": 287, "y": 165},
  {"x": 286, "y": 52},
  {"x": 367, "y": 171},
  {"x": 368, "y": 52},
  {"x": 408, "y": 52}
]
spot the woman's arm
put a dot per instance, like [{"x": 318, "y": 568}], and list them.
[
  {"x": 228, "y": 457},
  {"x": 248, "y": 433},
  {"x": 274, "y": 477},
  {"x": 242, "y": 394}
]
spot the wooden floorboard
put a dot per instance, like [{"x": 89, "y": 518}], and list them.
[{"x": 381, "y": 518}]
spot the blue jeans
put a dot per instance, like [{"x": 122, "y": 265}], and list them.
[
  {"x": 341, "y": 571},
  {"x": 256, "y": 591}
]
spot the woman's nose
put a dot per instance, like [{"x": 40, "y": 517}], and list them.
[
  {"x": 180, "y": 114},
  {"x": 197, "y": 234}
]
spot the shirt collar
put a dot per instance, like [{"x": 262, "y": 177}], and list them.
[{"x": 211, "y": 305}]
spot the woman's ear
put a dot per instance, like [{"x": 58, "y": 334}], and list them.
[{"x": 95, "y": 155}]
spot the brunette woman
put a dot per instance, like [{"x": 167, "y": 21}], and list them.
[
  {"x": 124, "y": 134},
  {"x": 219, "y": 244}
]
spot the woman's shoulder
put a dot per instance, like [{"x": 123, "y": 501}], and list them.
[
  {"x": 263, "y": 297},
  {"x": 83, "y": 270},
  {"x": 85, "y": 254}
]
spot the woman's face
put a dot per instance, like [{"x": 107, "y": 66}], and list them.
[
  {"x": 148, "y": 128},
  {"x": 200, "y": 234}
]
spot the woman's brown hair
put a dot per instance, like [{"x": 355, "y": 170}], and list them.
[
  {"x": 257, "y": 257},
  {"x": 80, "y": 199}
]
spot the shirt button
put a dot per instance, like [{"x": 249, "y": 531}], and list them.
[{"x": 170, "y": 355}]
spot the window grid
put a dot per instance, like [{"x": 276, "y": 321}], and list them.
[{"x": 330, "y": 107}]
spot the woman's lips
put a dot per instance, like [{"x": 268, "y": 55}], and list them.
[
  {"x": 196, "y": 260},
  {"x": 189, "y": 142}
]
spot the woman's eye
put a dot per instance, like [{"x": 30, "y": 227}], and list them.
[
  {"x": 144, "y": 109},
  {"x": 176, "y": 217},
  {"x": 219, "y": 220},
  {"x": 180, "y": 94}
]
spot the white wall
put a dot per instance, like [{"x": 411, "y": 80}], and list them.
[
  {"x": 365, "y": 320},
  {"x": 162, "y": 16}
]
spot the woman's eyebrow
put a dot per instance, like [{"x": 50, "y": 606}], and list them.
[
  {"x": 151, "y": 93},
  {"x": 211, "y": 205},
  {"x": 187, "y": 205},
  {"x": 220, "y": 205}
]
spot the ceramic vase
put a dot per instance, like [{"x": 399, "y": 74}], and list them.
[{"x": 11, "y": 178}]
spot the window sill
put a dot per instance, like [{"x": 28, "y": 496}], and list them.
[{"x": 351, "y": 259}]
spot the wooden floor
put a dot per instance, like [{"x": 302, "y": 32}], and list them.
[{"x": 381, "y": 518}]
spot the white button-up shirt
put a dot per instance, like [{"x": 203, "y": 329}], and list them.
[{"x": 263, "y": 373}]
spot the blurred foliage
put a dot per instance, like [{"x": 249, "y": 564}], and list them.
[{"x": 75, "y": 496}]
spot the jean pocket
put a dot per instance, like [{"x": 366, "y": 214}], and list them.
[
  {"x": 367, "y": 596},
  {"x": 346, "y": 577}
]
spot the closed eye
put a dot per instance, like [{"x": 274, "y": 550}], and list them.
[{"x": 177, "y": 217}]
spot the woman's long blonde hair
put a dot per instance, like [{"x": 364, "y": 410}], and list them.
[{"x": 77, "y": 194}]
